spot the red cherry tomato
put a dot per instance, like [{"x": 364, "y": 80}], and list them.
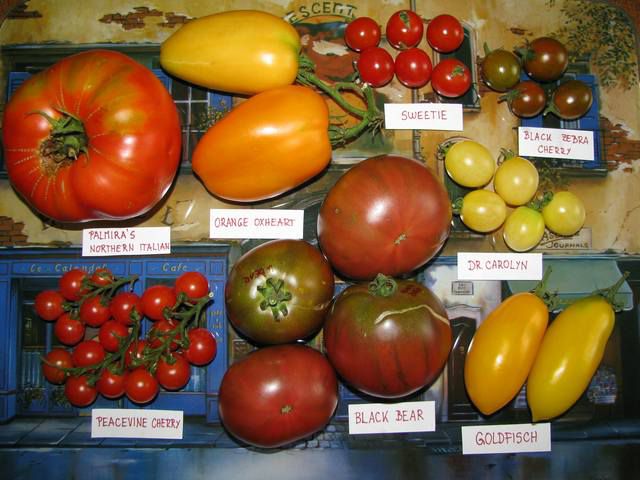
[
  {"x": 173, "y": 373},
  {"x": 110, "y": 385},
  {"x": 155, "y": 299},
  {"x": 413, "y": 67},
  {"x": 111, "y": 334},
  {"x": 445, "y": 33},
  {"x": 71, "y": 284},
  {"x": 404, "y": 29},
  {"x": 135, "y": 353},
  {"x": 88, "y": 353},
  {"x": 375, "y": 66},
  {"x": 49, "y": 305},
  {"x": 68, "y": 330},
  {"x": 451, "y": 78},
  {"x": 161, "y": 330},
  {"x": 94, "y": 311},
  {"x": 141, "y": 386},
  {"x": 123, "y": 306},
  {"x": 102, "y": 277},
  {"x": 202, "y": 346},
  {"x": 193, "y": 284},
  {"x": 57, "y": 360},
  {"x": 79, "y": 392},
  {"x": 362, "y": 33}
]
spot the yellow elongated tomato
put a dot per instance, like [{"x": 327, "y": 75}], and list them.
[
  {"x": 503, "y": 350},
  {"x": 569, "y": 355},
  {"x": 241, "y": 51},
  {"x": 267, "y": 145}
]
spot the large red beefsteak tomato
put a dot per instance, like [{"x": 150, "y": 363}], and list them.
[
  {"x": 388, "y": 214},
  {"x": 388, "y": 338},
  {"x": 278, "y": 395},
  {"x": 95, "y": 136},
  {"x": 279, "y": 292}
]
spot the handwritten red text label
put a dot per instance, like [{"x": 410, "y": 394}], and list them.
[
  {"x": 556, "y": 143},
  {"x": 392, "y": 418},
  {"x": 256, "y": 223},
  {"x": 98, "y": 242},
  {"x": 499, "y": 266},
  {"x": 129, "y": 423},
  {"x": 423, "y": 116},
  {"x": 506, "y": 438}
]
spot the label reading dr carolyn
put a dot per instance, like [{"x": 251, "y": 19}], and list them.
[
  {"x": 392, "y": 418},
  {"x": 506, "y": 438},
  {"x": 134, "y": 423},
  {"x": 499, "y": 266}
]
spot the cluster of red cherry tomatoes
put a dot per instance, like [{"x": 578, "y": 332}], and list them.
[
  {"x": 412, "y": 65},
  {"x": 118, "y": 360}
]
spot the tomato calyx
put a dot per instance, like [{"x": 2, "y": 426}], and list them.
[
  {"x": 383, "y": 286},
  {"x": 370, "y": 119},
  {"x": 286, "y": 409},
  {"x": 275, "y": 297},
  {"x": 67, "y": 140}
]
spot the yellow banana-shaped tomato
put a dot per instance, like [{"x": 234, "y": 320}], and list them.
[
  {"x": 241, "y": 51},
  {"x": 503, "y": 350},
  {"x": 569, "y": 356}
]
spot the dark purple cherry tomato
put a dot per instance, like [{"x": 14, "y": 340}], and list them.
[
  {"x": 545, "y": 59},
  {"x": 527, "y": 99}
]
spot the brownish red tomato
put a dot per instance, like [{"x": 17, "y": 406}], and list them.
[
  {"x": 125, "y": 154},
  {"x": 527, "y": 99},
  {"x": 544, "y": 59},
  {"x": 571, "y": 100},
  {"x": 388, "y": 338},
  {"x": 279, "y": 292},
  {"x": 388, "y": 214},
  {"x": 277, "y": 395}
]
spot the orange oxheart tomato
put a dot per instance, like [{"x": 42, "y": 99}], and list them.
[{"x": 265, "y": 146}]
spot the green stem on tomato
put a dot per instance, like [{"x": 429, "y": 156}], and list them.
[
  {"x": 370, "y": 119},
  {"x": 383, "y": 286}
]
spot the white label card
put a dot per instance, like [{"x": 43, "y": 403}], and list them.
[
  {"x": 392, "y": 418},
  {"x": 256, "y": 223},
  {"x": 99, "y": 242},
  {"x": 516, "y": 438},
  {"x": 499, "y": 266},
  {"x": 138, "y": 423},
  {"x": 556, "y": 143},
  {"x": 423, "y": 116}
]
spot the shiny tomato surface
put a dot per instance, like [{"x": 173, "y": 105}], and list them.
[
  {"x": 131, "y": 132},
  {"x": 277, "y": 395},
  {"x": 388, "y": 214}
]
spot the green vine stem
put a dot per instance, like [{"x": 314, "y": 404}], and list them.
[{"x": 370, "y": 119}]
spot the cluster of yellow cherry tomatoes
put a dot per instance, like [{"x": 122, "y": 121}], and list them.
[{"x": 515, "y": 186}]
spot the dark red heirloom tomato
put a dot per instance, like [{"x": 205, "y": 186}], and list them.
[
  {"x": 279, "y": 292},
  {"x": 388, "y": 214},
  {"x": 277, "y": 395},
  {"x": 55, "y": 362},
  {"x": 125, "y": 154},
  {"x": 79, "y": 392},
  {"x": 388, "y": 338}
]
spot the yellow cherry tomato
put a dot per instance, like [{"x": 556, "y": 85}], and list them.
[
  {"x": 564, "y": 214},
  {"x": 568, "y": 357},
  {"x": 523, "y": 229},
  {"x": 516, "y": 181},
  {"x": 469, "y": 164},
  {"x": 483, "y": 210},
  {"x": 242, "y": 51},
  {"x": 503, "y": 350}
]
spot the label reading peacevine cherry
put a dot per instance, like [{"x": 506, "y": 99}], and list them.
[
  {"x": 102, "y": 242},
  {"x": 392, "y": 418},
  {"x": 423, "y": 116},
  {"x": 556, "y": 143},
  {"x": 499, "y": 266},
  {"x": 136, "y": 423},
  {"x": 256, "y": 223},
  {"x": 506, "y": 438}
]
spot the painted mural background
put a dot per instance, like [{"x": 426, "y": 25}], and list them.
[{"x": 601, "y": 34}]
